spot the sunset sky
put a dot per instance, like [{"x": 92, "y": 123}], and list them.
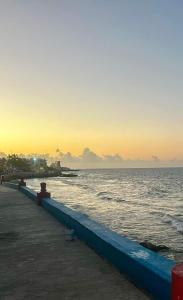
[{"x": 102, "y": 74}]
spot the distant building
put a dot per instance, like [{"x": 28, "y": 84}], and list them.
[{"x": 58, "y": 165}]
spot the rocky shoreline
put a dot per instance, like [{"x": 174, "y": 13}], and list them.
[{"x": 31, "y": 175}]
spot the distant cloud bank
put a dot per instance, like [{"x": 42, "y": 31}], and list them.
[{"x": 89, "y": 159}]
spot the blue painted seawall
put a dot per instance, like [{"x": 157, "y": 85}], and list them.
[{"x": 148, "y": 270}]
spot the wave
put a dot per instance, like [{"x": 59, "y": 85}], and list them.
[
  {"x": 157, "y": 192},
  {"x": 113, "y": 197},
  {"x": 80, "y": 185},
  {"x": 109, "y": 196},
  {"x": 104, "y": 196}
]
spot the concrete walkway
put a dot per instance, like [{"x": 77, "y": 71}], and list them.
[{"x": 37, "y": 260}]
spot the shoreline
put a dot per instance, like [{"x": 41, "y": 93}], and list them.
[{"x": 31, "y": 175}]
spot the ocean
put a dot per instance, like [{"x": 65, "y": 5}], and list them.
[{"x": 143, "y": 204}]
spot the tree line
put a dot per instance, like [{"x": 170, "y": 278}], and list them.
[{"x": 14, "y": 163}]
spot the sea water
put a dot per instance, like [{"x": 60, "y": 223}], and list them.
[{"x": 143, "y": 204}]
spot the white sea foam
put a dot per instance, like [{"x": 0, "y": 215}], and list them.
[
  {"x": 178, "y": 225},
  {"x": 175, "y": 223}
]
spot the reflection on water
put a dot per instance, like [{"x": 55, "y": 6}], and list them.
[{"x": 144, "y": 204}]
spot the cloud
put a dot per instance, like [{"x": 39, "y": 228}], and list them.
[
  {"x": 89, "y": 159},
  {"x": 68, "y": 157},
  {"x": 90, "y": 156},
  {"x": 113, "y": 158}
]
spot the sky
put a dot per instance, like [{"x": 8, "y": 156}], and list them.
[{"x": 103, "y": 75}]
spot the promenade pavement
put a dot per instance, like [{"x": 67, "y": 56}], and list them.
[{"x": 38, "y": 260}]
